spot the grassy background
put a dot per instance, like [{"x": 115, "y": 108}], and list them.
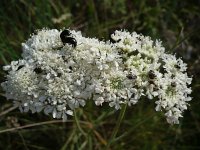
[{"x": 175, "y": 22}]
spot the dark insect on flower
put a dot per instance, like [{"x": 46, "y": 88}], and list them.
[
  {"x": 131, "y": 76},
  {"x": 151, "y": 74},
  {"x": 173, "y": 84},
  {"x": 177, "y": 66},
  {"x": 163, "y": 70},
  {"x": 37, "y": 70},
  {"x": 66, "y": 38},
  {"x": 133, "y": 95},
  {"x": 151, "y": 82},
  {"x": 65, "y": 33},
  {"x": 20, "y": 67},
  {"x": 64, "y": 59},
  {"x": 72, "y": 41},
  {"x": 59, "y": 74},
  {"x": 133, "y": 53},
  {"x": 114, "y": 41}
]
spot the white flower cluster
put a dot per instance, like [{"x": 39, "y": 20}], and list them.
[{"x": 58, "y": 77}]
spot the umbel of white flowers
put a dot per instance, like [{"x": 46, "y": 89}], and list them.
[{"x": 58, "y": 75}]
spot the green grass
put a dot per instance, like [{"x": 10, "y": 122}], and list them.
[{"x": 176, "y": 23}]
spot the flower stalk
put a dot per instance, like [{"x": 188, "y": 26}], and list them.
[
  {"x": 118, "y": 123},
  {"x": 78, "y": 124}
]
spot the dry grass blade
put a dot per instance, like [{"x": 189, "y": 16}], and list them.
[
  {"x": 39, "y": 124},
  {"x": 8, "y": 110}
]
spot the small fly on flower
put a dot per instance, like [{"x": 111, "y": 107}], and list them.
[{"x": 151, "y": 76}]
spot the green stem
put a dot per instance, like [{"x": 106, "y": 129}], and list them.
[
  {"x": 116, "y": 129},
  {"x": 78, "y": 124}
]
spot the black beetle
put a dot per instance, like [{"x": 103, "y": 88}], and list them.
[{"x": 65, "y": 36}]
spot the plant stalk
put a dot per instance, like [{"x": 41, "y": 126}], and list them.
[{"x": 116, "y": 129}]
